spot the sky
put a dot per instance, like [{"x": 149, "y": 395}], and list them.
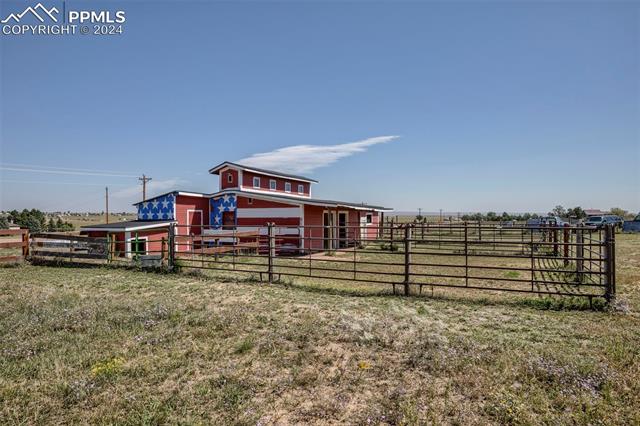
[{"x": 460, "y": 106}]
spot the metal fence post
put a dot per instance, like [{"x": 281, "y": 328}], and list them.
[
  {"x": 566, "y": 237},
  {"x": 272, "y": 249},
  {"x": 579, "y": 254},
  {"x": 609, "y": 268},
  {"x": 110, "y": 247},
  {"x": 407, "y": 258},
  {"x": 391, "y": 236},
  {"x": 612, "y": 261},
  {"x": 466, "y": 255},
  {"x": 171, "y": 249}
]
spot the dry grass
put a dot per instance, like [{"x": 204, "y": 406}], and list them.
[
  {"x": 94, "y": 219},
  {"x": 109, "y": 345}
]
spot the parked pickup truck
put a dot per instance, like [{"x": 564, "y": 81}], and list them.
[{"x": 632, "y": 225}]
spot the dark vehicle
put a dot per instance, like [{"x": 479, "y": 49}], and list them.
[
  {"x": 600, "y": 221},
  {"x": 534, "y": 223},
  {"x": 545, "y": 221},
  {"x": 632, "y": 225},
  {"x": 553, "y": 221},
  {"x": 618, "y": 220}
]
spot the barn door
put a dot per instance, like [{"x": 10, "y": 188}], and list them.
[
  {"x": 194, "y": 220},
  {"x": 342, "y": 229},
  {"x": 329, "y": 227},
  {"x": 228, "y": 220}
]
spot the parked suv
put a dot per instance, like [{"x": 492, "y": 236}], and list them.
[{"x": 600, "y": 221}]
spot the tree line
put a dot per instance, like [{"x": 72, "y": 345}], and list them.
[
  {"x": 565, "y": 213},
  {"x": 35, "y": 220}
]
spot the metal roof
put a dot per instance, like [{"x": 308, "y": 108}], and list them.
[
  {"x": 302, "y": 200},
  {"x": 185, "y": 193},
  {"x": 277, "y": 197},
  {"x": 276, "y": 173},
  {"x": 129, "y": 225}
]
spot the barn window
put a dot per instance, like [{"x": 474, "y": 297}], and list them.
[
  {"x": 272, "y": 184},
  {"x": 139, "y": 246},
  {"x": 369, "y": 218},
  {"x": 229, "y": 177},
  {"x": 256, "y": 182},
  {"x": 300, "y": 189},
  {"x": 249, "y": 200},
  {"x": 287, "y": 187}
]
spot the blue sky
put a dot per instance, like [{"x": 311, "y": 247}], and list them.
[{"x": 478, "y": 106}]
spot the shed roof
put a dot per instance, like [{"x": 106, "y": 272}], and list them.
[
  {"x": 130, "y": 225},
  {"x": 185, "y": 193}
]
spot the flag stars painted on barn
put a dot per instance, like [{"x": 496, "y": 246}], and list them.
[
  {"x": 226, "y": 203},
  {"x": 253, "y": 197},
  {"x": 157, "y": 208}
]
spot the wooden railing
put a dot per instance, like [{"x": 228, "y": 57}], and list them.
[{"x": 21, "y": 241}]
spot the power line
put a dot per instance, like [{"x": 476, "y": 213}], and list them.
[
  {"x": 62, "y": 172},
  {"x": 73, "y": 169},
  {"x": 144, "y": 179}
]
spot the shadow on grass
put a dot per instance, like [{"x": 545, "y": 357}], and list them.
[{"x": 546, "y": 303}]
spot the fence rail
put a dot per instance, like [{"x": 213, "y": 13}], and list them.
[
  {"x": 14, "y": 245},
  {"x": 568, "y": 260},
  {"x": 69, "y": 247}
]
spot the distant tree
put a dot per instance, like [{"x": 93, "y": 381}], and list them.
[
  {"x": 36, "y": 221},
  {"x": 558, "y": 211},
  {"x": 505, "y": 217},
  {"x": 491, "y": 217},
  {"x": 4, "y": 222},
  {"x": 620, "y": 212},
  {"x": 577, "y": 213}
]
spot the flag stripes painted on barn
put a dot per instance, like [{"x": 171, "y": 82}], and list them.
[{"x": 251, "y": 197}]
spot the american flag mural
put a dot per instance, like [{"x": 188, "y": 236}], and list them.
[
  {"x": 158, "y": 208},
  {"x": 226, "y": 203}
]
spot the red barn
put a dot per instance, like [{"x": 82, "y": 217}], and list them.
[{"x": 248, "y": 198}]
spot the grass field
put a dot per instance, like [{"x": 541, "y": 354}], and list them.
[
  {"x": 111, "y": 345},
  {"x": 94, "y": 219}
]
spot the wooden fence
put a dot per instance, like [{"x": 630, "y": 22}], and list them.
[
  {"x": 68, "y": 247},
  {"x": 14, "y": 245}
]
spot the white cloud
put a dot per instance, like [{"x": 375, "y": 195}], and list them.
[
  {"x": 154, "y": 187},
  {"x": 63, "y": 171},
  {"x": 307, "y": 158}
]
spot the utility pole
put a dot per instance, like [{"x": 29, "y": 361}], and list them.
[
  {"x": 106, "y": 199},
  {"x": 144, "y": 180}
]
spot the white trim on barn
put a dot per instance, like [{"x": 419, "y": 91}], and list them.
[
  {"x": 201, "y": 219},
  {"x": 133, "y": 228},
  {"x": 128, "y": 239},
  {"x": 283, "y": 212}
]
